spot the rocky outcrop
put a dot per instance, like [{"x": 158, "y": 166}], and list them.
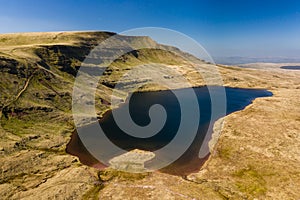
[{"x": 132, "y": 161}]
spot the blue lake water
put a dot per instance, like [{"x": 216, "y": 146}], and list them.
[
  {"x": 139, "y": 105},
  {"x": 291, "y": 67}
]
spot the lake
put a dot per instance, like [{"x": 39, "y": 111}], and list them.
[
  {"x": 139, "y": 105},
  {"x": 291, "y": 67}
]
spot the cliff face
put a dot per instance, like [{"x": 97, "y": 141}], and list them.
[{"x": 256, "y": 157}]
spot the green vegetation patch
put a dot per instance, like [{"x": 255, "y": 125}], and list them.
[{"x": 250, "y": 181}]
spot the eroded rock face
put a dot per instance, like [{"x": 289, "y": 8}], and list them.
[{"x": 132, "y": 161}]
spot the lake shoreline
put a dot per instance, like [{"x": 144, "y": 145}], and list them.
[{"x": 86, "y": 158}]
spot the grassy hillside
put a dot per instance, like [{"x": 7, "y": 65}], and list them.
[{"x": 37, "y": 72}]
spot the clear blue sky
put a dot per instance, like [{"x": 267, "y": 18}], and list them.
[{"x": 263, "y": 28}]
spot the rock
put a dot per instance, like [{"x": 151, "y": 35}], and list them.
[
  {"x": 132, "y": 161},
  {"x": 216, "y": 134}
]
